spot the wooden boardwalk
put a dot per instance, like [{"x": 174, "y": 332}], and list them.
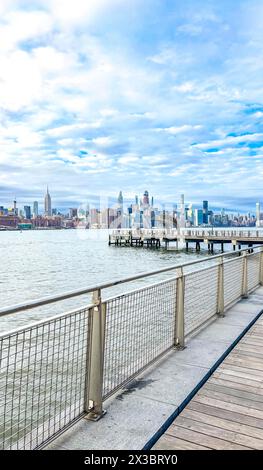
[{"x": 227, "y": 412}]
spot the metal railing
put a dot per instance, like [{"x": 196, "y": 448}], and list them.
[{"x": 56, "y": 371}]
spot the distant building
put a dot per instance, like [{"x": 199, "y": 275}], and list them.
[
  {"x": 145, "y": 199},
  {"x": 15, "y": 210},
  {"x": 182, "y": 212},
  {"x": 257, "y": 214},
  {"x": 205, "y": 212},
  {"x": 120, "y": 201},
  {"x": 198, "y": 219},
  {"x": 73, "y": 212},
  {"x": 47, "y": 204},
  {"x": 35, "y": 209},
  {"x": 27, "y": 212},
  {"x": 120, "y": 210}
]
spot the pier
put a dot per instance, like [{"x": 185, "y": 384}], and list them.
[
  {"x": 190, "y": 238},
  {"x": 117, "y": 372}
]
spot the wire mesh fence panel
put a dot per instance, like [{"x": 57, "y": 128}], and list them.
[
  {"x": 200, "y": 297},
  {"x": 139, "y": 328},
  {"x": 233, "y": 273},
  {"x": 253, "y": 266},
  {"x": 42, "y": 380}
]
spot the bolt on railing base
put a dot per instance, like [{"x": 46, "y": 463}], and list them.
[
  {"x": 179, "y": 347},
  {"x": 220, "y": 315},
  {"x": 93, "y": 416}
]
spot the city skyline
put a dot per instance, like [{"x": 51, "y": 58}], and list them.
[
  {"x": 44, "y": 205},
  {"x": 105, "y": 94}
]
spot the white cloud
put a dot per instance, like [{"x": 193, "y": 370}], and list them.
[
  {"x": 22, "y": 26},
  {"x": 20, "y": 80},
  {"x": 68, "y": 13},
  {"x": 174, "y": 130},
  {"x": 103, "y": 141},
  {"x": 184, "y": 87},
  {"x": 228, "y": 141},
  {"x": 128, "y": 160}
]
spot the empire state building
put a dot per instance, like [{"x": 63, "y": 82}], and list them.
[{"x": 47, "y": 203}]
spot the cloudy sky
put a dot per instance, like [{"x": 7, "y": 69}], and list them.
[{"x": 98, "y": 96}]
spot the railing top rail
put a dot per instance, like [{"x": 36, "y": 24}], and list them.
[{"x": 68, "y": 295}]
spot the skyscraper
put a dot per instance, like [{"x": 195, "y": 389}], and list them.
[
  {"x": 145, "y": 199},
  {"x": 35, "y": 209},
  {"x": 120, "y": 211},
  {"x": 27, "y": 211},
  {"x": 182, "y": 212},
  {"x": 15, "y": 207},
  {"x": 257, "y": 214},
  {"x": 198, "y": 217},
  {"x": 47, "y": 204},
  {"x": 205, "y": 212},
  {"x": 120, "y": 201}
]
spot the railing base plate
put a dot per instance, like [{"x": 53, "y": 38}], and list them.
[
  {"x": 179, "y": 348},
  {"x": 92, "y": 416}
]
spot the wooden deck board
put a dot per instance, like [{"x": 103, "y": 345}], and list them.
[
  {"x": 223, "y": 423},
  {"x": 200, "y": 438},
  {"x": 227, "y": 412}
]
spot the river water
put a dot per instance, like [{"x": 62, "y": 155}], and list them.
[{"x": 36, "y": 264}]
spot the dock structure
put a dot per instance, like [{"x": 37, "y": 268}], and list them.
[{"x": 157, "y": 238}]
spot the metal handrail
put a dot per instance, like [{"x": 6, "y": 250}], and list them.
[{"x": 68, "y": 295}]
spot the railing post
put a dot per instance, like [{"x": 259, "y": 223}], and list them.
[
  {"x": 220, "y": 288},
  {"x": 261, "y": 267},
  {"x": 179, "y": 317},
  {"x": 244, "y": 277},
  {"x": 94, "y": 388}
]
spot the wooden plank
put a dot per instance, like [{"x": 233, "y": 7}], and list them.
[
  {"x": 167, "y": 442},
  {"x": 250, "y": 348},
  {"x": 252, "y": 341},
  {"x": 223, "y": 423},
  {"x": 227, "y": 382},
  {"x": 243, "y": 369},
  {"x": 201, "y": 439},
  {"x": 239, "y": 374},
  {"x": 257, "y": 335},
  {"x": 226, "y": 414},
  {"x": 257, "y": 327},
  {"x": 255, "y": 405},
  {"x": 257, "y": 356},
  {"x": 226, "y": 405},
  {"x": 245, "y": 363},
  {"x": 234, "y": 391},
  {"x": 218, "y": 432}
]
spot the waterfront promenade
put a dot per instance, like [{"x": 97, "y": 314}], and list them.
[{"x": 138, "y": 355}]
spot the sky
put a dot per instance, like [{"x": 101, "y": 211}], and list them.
[{"x": 100, "y": 96}]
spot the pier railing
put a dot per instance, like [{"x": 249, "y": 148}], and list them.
[{"x": 55, "y": 371}]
